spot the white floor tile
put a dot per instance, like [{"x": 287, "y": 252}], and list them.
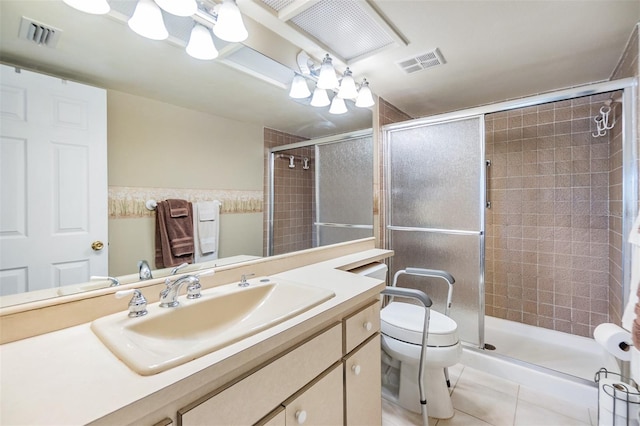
[
  {"x": 528, "y": 414},
  {"x": 580, "y": 413}
]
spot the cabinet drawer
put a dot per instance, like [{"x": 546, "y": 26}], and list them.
[
  {"x": 361, "y": 325},
  {"x": 275, "y": 418},
  {"x": 320, "y": 404},
  {"x": 250, "y": 399},
  {"x": 363, "y": 405}
]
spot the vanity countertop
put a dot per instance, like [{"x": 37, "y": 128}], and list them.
[{"x": 70, "y": 377}]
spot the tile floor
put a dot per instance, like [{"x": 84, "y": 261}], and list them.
[{"x": 483, "y": 399}]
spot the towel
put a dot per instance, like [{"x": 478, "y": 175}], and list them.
[
  {"x": 174, "y": 233},
  {"x": 206, "y": 226}
]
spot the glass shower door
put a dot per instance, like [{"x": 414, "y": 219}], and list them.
[
  {"x": 344, "y": 190},
  {"x": 435, "y": 212}
]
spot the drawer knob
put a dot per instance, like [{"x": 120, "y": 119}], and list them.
[
  {"x": 301, "y": 416},
  {"x": 367, "y": 325},
  {"x": 356, "y": 369}
]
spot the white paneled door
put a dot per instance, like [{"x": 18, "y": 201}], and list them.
[{"x": 53, "y": 181}]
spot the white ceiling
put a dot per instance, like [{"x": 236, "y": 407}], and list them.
[{"x": 494, "y": 50}]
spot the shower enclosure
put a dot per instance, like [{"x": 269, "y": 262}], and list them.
[
  {"x": 320, "y": 192},
  {"x": 527, "y": 203}
]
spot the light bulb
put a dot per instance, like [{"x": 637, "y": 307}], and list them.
[
  {"x": 299, "y": 88},
  {"x": 365, "y": 98},
  {"x": 201, "y": 44},
  {"x": 320, "y": 98},
  {"x": 338, "y": 106},
  {"x": 147, "y": 21},
  {"x": 348, "y": 86},
  {"x": 327, "y": 78},
  {"x": 178, "y": 7},
  {"x": 229, "y": 26},
  {"x": 95, "y": 7}
]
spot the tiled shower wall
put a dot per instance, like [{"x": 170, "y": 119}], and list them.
[
  {"x": 547, "y": 241},
  {"x": 294, "y": 200}
]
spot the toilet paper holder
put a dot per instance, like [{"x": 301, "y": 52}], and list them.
[{"x": 618, "y": 399}]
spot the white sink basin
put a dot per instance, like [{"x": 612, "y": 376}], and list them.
[{"x": 167, "y": 337}]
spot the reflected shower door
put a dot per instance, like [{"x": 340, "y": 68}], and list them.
[
  {"x": 435, "y": 212},
  {"x": 344, "y": 190}
]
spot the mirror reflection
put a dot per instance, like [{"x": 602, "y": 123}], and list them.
[{"x": 176, "y": 128}]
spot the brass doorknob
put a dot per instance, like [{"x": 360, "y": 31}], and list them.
[{"x": 97, "y": 245}]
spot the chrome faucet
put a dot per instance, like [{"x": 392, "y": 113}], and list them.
[
  {"x": 137, "y": 304},
  {"x": 114, "y": 281},
  {"x": 169, "y": 296},
  {"x": 177, "y": 268},
  {"x": 144, "y": 270}
]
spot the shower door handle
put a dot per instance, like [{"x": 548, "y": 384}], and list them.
[{"x": 486, "y": 184}]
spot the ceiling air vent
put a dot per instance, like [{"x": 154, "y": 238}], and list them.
[
  {"x": 422, "y": 61},
  {"x": 38, "y": 33}
]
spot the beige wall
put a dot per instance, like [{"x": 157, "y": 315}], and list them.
[{"x": 158, "y": 145}]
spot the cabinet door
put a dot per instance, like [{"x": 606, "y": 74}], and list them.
[
  {"x": 319, "y": 404},
  {"x": 363, "y": 403}
]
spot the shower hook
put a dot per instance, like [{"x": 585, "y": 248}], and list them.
[
  {"x": 602, "y": 120},
  {"x": 291, "y": 165},
  {"x": 305, "y": 163}
]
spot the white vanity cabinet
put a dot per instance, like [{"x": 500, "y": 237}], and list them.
[
  {"x": 362, "y": 387},
  {"x": 332, "y": 378},
  {"x": 247, "y": 400}
]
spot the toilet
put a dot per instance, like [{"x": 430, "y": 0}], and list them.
[{"x": 401, "y": 328}]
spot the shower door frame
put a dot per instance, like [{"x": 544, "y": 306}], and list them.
[
  {"x": 302, "y": 144},
  {"x": 629, "y": 161}
]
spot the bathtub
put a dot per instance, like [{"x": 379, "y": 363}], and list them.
[{"x": 560, "y": 364}]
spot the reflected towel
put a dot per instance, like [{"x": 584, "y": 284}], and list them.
[
  {"x": 206, "y": 226},
  {"x": 174, "y": 233}
]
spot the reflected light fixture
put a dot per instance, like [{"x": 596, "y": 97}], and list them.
[
  {"x": 365, "y": 98},
  {"x": 178, "y": 7},
  {"x": 320, "y": 98},
  {"x": 348, "y": 86},
  {"x": 229, "y": 26},
  {"x": 201, "y": 44},
  {"x": 327, "y": 78},
  {"x": 337, "y": 105},
  {"x": 299, "y": 88},
  {"x": 95, "y": 7},
  {"x": 147, "y": 21}
]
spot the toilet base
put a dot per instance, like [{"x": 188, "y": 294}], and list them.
[{"x": 405, "y": 392}]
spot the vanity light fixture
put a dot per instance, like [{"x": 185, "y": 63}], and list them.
[
  {"x": 178, "y": 7},
  {"x": 320, "y": 98},
  {"x": 229, "y": 26},
  {"x": 299, "y": 88},
  {"x": 147, "y": 21},
  {"x": 365, "y": 98},
  {"x": 337, "y": 105},
  {"x": 201, "y": 44},
  {"x": 325, "y": 77},
  {"x": 95, "y": 7}
]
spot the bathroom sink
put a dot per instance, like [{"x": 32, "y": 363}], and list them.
[{"x": 168, "y": 337}]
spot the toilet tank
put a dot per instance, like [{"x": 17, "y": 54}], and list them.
[{"x": 374, "y": 270}]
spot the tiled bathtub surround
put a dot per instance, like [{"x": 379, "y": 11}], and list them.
[
  {"x": 548, "y": 231},
  {"x": 294, "y": 199}
]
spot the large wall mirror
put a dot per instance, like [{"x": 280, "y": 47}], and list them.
[{"x": 177, "y": 127}]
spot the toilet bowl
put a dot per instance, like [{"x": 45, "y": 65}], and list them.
[{"x": 401, "y": 327}]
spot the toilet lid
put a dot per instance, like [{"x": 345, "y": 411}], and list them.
[{"x": 404, "y": 321}]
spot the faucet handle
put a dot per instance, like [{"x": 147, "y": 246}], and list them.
[
  {"x": 114, "y": 281},
  {"x": 137, "y": 304},
  {"x": 193, "y": 289},
  {"x": 243, "y": 280}
]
